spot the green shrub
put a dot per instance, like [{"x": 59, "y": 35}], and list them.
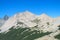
[
  {"x": 22, "y": 34},
  {"x": 57, "y": 36}
]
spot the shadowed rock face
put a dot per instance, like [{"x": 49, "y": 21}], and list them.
[
  {"x": 6, "y": 17},
  {"x": 2, "y": 20}
]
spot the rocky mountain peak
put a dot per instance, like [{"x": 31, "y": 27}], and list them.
[
  {"x": 42, "y": 23},
  {"x": 44, "y": 15},
  {"x": 26, "y": 18},
  {"x": 6, "y": 17}
]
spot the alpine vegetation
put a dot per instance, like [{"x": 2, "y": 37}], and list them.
[{"x": 28, "y": 26}]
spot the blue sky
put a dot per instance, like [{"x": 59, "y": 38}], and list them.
[{"x": 10, "y": 7}]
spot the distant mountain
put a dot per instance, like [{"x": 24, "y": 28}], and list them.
[
  {"x": 26, "y": 19},
  {"x": 2, "y": 20},
  {"x": 6, "y": 17}
]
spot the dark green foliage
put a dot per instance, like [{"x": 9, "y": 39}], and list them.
[
  {"x": 57, "y": 36},
  {"x": 59, "y": 27},
  {"x": 22, "y": 34}
]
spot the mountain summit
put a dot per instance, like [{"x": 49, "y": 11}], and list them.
[{"x": 28, "y": 20}]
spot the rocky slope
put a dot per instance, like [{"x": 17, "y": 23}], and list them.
[
  {"x": 2, "y": 20},
  {"x": 26, "y": 19}
]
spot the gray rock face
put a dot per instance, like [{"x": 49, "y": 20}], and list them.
[
  {"x": 6, "y": 17},
  {"x": 1, "y": 22},
  {"x": 27, "y": 19}
]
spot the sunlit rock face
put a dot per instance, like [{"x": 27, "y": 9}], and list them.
[
  {"x": 28, "y": 19},
  {"x": 1, "y": 22},
  {"x": 24, "y": 17}
]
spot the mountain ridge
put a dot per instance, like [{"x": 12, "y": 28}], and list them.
[
  {"x": 27, "y": 18},
  {"x": 42, "y": 23}
]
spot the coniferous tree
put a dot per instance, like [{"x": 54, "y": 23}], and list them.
[{"x": 22, "y": 34}]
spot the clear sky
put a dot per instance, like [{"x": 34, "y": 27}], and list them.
[{"x": 10, "y": 7}]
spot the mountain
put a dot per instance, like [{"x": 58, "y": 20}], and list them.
[
  {"x": 42, "y": 23},
  {"x": 6, "y": 17},
  {"x": 1, "y": 22},
  {"x": 25, "y": 18}
]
